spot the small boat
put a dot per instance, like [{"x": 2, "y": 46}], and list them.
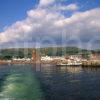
[
  {"x": 69, "y": 64},
  {"x": 61, "y": 64}
]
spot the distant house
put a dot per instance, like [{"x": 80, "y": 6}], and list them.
[
  {"x": 75, "y": 57},
  {"x": 95, "y": 57},
  {"x": 46, "y": 58},
  {"x": 21, "y": 59},
  {"x": 53, "y": 58}
]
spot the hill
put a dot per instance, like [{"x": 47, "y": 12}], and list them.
[{"x": 50, "y": 51}]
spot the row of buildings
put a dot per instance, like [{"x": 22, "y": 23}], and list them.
[
  {"x": 69, "y": 59},
  {"x": 77, "y": 59}
]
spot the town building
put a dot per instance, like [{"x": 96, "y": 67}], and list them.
[{"x": 95, "y": 57}]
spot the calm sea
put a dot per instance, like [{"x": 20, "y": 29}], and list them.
[{"x": 48, "y": 82}]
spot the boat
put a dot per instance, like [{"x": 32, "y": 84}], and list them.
[
  {"x": 69, "y": 64},
  {"x": 61, "y": 64}
]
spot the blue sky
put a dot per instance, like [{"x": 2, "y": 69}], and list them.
[{"x": 13, "y": 11}]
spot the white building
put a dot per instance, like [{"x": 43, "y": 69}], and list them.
[
  {"x": 21, "y": 59},
  {"x": 76, "y": 57},
  {"x": 46, "y": 58}
]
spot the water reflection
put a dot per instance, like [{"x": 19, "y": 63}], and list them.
[
  {"x": 70, "y": 83},
  {"x": 71, "y": 69}
]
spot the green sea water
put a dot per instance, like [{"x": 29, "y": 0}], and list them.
[{"x": 21, "y": 84}]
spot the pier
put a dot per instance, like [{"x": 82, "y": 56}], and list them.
[{"x": 91, "y": 63}]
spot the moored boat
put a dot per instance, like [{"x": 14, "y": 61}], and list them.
[{"x": 69, "y": 64}]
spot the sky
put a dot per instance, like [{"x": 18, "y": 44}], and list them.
[{"x": 39, "y": 23}]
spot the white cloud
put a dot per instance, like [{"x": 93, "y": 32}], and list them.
[
  {"x": 46, "y": 2},
  {"x": 42, "y": 23},
  {"x": 71, "y": 7}
]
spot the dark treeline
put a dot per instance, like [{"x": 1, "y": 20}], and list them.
[{"x": 50, "y": 51}]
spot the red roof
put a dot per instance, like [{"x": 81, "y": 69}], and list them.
[{"x": 95, "y": 56}]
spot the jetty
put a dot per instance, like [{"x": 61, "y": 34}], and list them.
[{"x": 91, "y": 64}]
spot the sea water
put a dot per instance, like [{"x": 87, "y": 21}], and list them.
[
  {"x": 20, "y": 83},
  {"x": 49, "y": 82}
]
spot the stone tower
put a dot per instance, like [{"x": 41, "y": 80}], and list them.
[{"x": 36, "y": 57}]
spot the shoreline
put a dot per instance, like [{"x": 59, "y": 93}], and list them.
[{"x": 86, "y": 64}]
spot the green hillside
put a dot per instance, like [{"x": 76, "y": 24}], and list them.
[{"x": 50, "y": 51}]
